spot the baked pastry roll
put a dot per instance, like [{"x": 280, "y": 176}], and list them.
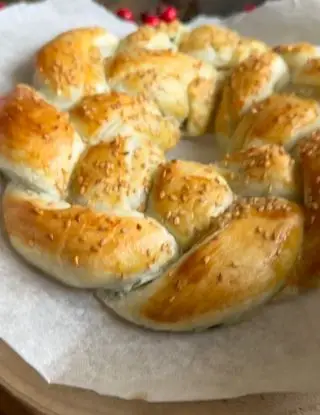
[
  {"x": 244, "y": 261},
  {"x": 116, "y": 174},
  {"x": 104, "y": 116},
  {"x": 84, "y": 248},
  {"x": 38, "y": 145},
  {"x": 186, "y": 196},
  {"x": 162, "y": 37},
  {"x": 182, "y": 87},
  {"x": 297, "y": 54},
  {"x": 280, "y": 119},
  {"x": 219, "y": 46},
  {"x": 304, "y": 62},
  {"x": 252, "y": 81},
  {"x": 71, "y": 65},
  {"x": 262, "y": 171},
  {"x": 309, "y": 271}
]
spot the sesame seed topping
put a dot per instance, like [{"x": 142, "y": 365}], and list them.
[
  {"x": 31, "y": 243},
  {"x": 51, "y": 237},
  {"x": 76, "y": 260},
  {"x": 139, "y": 227},
  {"x": 206, "y": 259}
]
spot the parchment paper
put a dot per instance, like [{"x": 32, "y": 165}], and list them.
[{"x": 69, "y": 337}]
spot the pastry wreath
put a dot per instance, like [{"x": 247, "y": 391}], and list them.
[{"x": 172, "y": 245}]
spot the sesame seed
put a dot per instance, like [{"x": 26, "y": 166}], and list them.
[
  {"x": 82, "y": 190},
  {"x": 37, "y": 211},
  {"x": 206, "y": 259},
  {"x": 76, "y": 260},
  {"x": 139, "y": 227},
  {"x": 31, "y": 243},
  {"x": 162, "y": 194},
  {"x": 102, "y": 242},
  {"x": 176, "y": 220},
  {"x": 51, "y": 237}
]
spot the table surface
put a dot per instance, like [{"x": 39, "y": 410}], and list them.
[{"x": 9, "y": 405}]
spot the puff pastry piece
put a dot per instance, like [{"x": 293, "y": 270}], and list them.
[
  {"x": 281, "y": 119},
  {"x": 244, "y": 261},
  {"x": 116, "y": 174},
  {"x": 165, "y": 36},
  {"x": 182, "y": 86},
  {"x": 304, "y": 62},
  {"x": 186, "y": 196},
  {"x": 262, "y": 171},
  {"x": 309, "y": 275},
  {"x": 83, "y": 248},
  {"x": 38, "y": 145},
  {"x": 252, "y": 81},
  {"x": 104, "y": 116},
  {"x": 219, "y": 46},
  {"x": 71, "y": 65},
  {"x": 297, "y": 54}
]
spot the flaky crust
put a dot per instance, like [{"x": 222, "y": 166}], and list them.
[
  {"x": 173, "y": 80},
  {"x": 308, "y": 274},
  {"x": 186, "y": 196},
  {"x": 262, "y": 171},
  {"x": 165, "y": 36},
  {"x": 280, "y": 119},
  {"x": 116, "y": 174},
  {"x": 245, "y": 260},
  {"x": 297, "y": 54},
  {"x": 83, "y": 248},
  {"x": 252, "y": 81},
  {"x": 38, "y": 145},
  {"x": 103, "y": 116},
  {"x": 71, "y": 65},
  {"x": 219, "y": 46}
]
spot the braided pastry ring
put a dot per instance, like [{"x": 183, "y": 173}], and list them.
[{"x": 173, "y": 245}]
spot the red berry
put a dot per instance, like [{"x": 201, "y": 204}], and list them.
[
  {"x": 150, "y": 19},
  {"x": 249, "y": 7},
  {"x": 169, "y": 14},
  {"x": 125, "y": 14}
]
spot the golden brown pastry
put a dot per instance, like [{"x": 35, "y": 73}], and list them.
[
  {"x": 104, "y": 116},
  {"x": 280, "y": 119},
  {"x": 262, "y": 171},
  {"x": 219, "y": 46},
  {"x": 252, "y": 81},
  {"x": 183, "y": 87},
  {"x": 165, "y": 36},
  {"x": 84, "y": 248},
  {"x": 297, "y": 54},
  {"x": 71, "y": 65},
  {"x": 243, "y": 262},
  {"x": 304, "y": 62},
  {"x": 38, "y": 145},
  {"x": 309, "y": 271},
  {"x": 116, "y": 174},
  {"x": 186, "y": 196}
]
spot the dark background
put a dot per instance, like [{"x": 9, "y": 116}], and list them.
[{"x": 187, "y": 9}]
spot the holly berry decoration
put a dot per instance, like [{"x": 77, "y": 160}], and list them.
[
  {"x": 249, "y": 7},
  {"x": 168, "y": 14},
  {"x": 125, "y": 14},
  {"x": 150, "y": 19}
]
